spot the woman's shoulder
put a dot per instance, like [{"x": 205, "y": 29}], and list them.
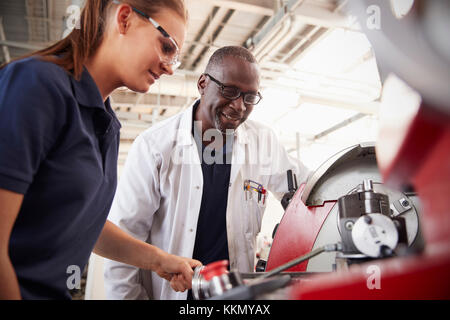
[
  {"x": 37, "y": 70},
  {"x": 32, "y": 84}
]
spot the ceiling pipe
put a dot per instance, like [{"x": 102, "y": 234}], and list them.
[
  {"x": 338, "y": 126},
  {"x": 273, "y": 30},
  {"x": 277, "y": 41},
  {"x": 302, "y": 42}
]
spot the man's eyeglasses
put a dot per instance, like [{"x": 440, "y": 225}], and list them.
[
  {"x": 233, "y": 93},
  {"x": 170, "y": 50}
]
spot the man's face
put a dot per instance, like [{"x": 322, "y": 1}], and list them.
[{"x": 219, "y": 112}]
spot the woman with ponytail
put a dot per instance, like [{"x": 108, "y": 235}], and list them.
[{"x": 59, "y": 143}]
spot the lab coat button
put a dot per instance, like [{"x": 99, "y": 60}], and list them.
[{"x": 197, "y": 187}]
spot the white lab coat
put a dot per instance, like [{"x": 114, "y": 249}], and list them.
[{"x": 159, "y": 195}]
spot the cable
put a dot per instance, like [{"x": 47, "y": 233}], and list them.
[{"x": 309, "y": 255}]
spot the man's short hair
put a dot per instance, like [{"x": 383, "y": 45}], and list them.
[{"x": 234, "y": 51}]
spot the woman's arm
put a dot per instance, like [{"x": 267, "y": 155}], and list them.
[
  {"x": 116, "y": 244},
  {"x": 10, "y": 203}
]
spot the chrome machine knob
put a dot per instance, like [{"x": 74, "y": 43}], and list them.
[{"x": 374, "y": 235}]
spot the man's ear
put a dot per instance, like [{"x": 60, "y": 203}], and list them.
[
  {"x": 201, "y": 84},
  {"x": 123, "y": 18}
]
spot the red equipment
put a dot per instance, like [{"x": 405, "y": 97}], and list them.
[{"x": 410, "y": 48}]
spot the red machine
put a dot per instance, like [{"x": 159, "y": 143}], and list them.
[
  {"x": 417, "y": 168},
  {"x": 422, "y": 163}
]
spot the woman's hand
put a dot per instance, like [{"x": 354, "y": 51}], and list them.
[
  {"x": 116, "y": 244},
  {"x": 177, "y": 270},
  {"x": 10, "y": 203}
]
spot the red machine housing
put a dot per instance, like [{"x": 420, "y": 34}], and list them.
[
  {"x": 297, "y": 232},
  {"x": 423, "y": 161}
]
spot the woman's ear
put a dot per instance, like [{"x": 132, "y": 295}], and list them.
[
  {"x": 201, "y": 84},
  {"x": 123, "y": 18}
]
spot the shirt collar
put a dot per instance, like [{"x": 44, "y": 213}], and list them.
[{"x": 86, "y": 91}]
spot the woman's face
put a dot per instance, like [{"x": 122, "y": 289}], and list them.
[{"x": 143, "y": 51}]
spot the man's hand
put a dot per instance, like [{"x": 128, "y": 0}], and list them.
[{"x": 177, "y": 270}]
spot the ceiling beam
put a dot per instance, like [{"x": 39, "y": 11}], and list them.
[
  {"x": 238, "y": 6},
  {"x": 199, "y": 63},
  {"x": 338, "y": 126},
  {"x": 21, "y": 45},
  {"x": 371, "y": 108},
  {"x": 205, "y": 34},
  {"x": 5, "y": 49},
  {"x": 126, "y": 99},
  {"x": 317, "y": 16}
]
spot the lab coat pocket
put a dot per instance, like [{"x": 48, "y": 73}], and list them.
[
  {"x": 250, "y": 245},
  {"x": 254, "y": 211}
]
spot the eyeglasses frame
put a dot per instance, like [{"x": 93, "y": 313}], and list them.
[{"x": 222, "y": 86}]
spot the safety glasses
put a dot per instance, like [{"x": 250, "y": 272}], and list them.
[{"x": 170, "y": 49}]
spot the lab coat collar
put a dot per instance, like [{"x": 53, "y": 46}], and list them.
[
  {"x": 184, "y": 136},
  {"x": 241, "y": 133}
]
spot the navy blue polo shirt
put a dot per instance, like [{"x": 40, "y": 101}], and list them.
[
  {"x": 58, "y": 147},
  {"x": 211, "y": 238}
]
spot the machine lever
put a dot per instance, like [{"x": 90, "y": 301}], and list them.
[
  {"x": 292, "y": 187},
  {"x": 292, "y": 181}
]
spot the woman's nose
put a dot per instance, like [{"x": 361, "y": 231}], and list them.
[{"x": 166, "y": 68}]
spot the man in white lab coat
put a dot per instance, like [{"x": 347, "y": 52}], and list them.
[{"x": 195, "y": 185}]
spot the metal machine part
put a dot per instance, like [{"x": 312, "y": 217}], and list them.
[
  {"x": 353, "y": 206},
  {"x": 375, "y": 235},
  {"x": 370, "y": 196},
  {"x": 406, "y": 219},
  {"x": 314, "y": 217},
  {"x": 366, "y": 224},
  {"x": 256, "y": 290},
  {"x": 214, "y": 280},
  {"x": 199, "y": 285},
  {"x": 341, "y": 172}
]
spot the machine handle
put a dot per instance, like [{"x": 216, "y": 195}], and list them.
[{"x": 291, "y": 186}]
